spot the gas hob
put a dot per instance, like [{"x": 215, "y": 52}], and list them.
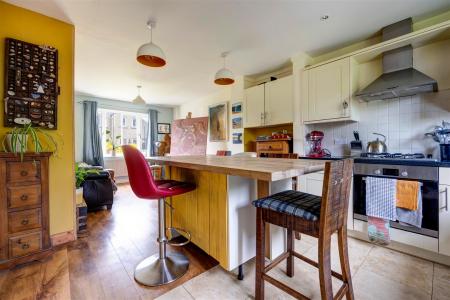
[{"x": 413, "y": 159}]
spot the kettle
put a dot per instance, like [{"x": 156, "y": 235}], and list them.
[{"x": 377, "y": 146}]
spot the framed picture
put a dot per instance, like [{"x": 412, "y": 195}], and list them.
[
  {"x": 218, "y": 122},
  {"x": 236, "y": 108},
  {"x": 236, "y": 122},
  {"x": 237, "y": 138},
  {"x": 163, "y": 128}
]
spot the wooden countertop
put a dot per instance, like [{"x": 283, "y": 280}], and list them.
[{"x": 267, "y": 169}]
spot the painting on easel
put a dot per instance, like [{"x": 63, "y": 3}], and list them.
[{"x": 189, "y": 136}]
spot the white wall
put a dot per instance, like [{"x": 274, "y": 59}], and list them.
[{"x": 199, "y": 108}]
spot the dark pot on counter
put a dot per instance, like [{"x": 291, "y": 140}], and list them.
[{"x": 445, "y": 152}]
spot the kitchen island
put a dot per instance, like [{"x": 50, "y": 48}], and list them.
[{"x": 219, "y": 214}]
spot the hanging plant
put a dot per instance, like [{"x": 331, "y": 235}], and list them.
[{"x": 16, "y": 141}]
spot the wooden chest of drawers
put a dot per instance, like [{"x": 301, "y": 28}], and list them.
[
  {"x": 273, "y": 146},
  {"x": 24, "y": 208}
]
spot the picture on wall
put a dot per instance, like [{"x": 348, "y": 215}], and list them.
[
  {"x": 236, "y": 108},
  {"x": 237, "y": 122},
  {"x": 218, "y": 119},
  {"x": 237, "y": 138},
  {"x": 163, "y": 128}
]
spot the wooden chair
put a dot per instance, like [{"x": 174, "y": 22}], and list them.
[{"x": 319, "y": 217}]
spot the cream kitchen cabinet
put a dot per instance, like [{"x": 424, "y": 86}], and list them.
[
  {"x": 444, "y": 211},
  {"x": 279, "y": 101},
  {"x": 268, "y": 104},
  {"x": 326, "y": 93},
  {"x": 254, "y": 106}
]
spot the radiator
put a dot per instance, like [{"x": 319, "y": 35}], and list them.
[{"x": 119, "y": 167}]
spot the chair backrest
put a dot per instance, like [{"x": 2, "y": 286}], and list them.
[
  {"x": 335, "y": 195},
  {"x": 223, "y": 153},
  {"x": 139, "y": 173}
]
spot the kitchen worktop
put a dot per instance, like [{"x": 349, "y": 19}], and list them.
[{"x": 268, "y": 169}]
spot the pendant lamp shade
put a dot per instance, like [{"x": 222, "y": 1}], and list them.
[
  {"x": 224, "y": 76},
  {"x": 150, "y": 54},
  {"x": 139, "y": 99}
]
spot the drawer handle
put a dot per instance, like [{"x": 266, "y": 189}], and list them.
[
  {"x": 25, "y": 222},
  {"x": 25, "y": 246},
  {"x": 24, "y": 197},
  {"x": 23, "y": 173}
]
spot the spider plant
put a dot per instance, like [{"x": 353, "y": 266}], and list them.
[{"x": 17, "y": 139}]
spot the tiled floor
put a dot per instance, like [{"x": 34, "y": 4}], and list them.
[{"x": 378, "y": 273}]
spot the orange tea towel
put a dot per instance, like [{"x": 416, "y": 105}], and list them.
[{"x": 407, "y": 194}]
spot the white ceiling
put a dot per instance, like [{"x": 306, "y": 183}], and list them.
[{"x": 261, "y": 35}]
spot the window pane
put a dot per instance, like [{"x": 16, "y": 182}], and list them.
[{"x": 120, "y": 128}]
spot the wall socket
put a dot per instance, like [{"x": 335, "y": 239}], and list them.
[{"x": 340, "y": 141}]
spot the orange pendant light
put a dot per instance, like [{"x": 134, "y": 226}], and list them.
[
  {"x": 224, "y": 76},
  {"x": 150, "y": 54}
]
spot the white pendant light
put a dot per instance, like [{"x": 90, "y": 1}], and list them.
[
  {"x": 139, "y": 99},
  {"x": 224, "y": 76},
  {"x": 150, "y": 54}
]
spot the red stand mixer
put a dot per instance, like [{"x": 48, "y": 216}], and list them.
[{"x": 314, "y": 139}]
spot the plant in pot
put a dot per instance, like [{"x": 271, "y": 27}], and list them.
[
  {"x": 17, "y": 140},
  {"x": 112, "y": 142},
  {"x": 80, "y": 176}
]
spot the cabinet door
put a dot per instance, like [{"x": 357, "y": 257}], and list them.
[
  {"x": 279, "y": 101},
  {"x": 311, "y": 183},
  {"x": 444, "y": 220},
  {"x": 329, "y": 91},
  {"x": 254, "y": 106}
]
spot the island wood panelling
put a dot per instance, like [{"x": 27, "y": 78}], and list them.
[
  {"x": 24, "y": 219},
  {"x": 203, "y": 212}
]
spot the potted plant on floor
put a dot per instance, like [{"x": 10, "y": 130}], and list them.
[
  {"x": 17, "y": 140},
  {"x": 80, "y": 176}
]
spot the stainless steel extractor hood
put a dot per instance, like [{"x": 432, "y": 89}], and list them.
[{"x": 399, "y": 77}]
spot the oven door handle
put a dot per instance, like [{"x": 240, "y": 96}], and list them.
[{"x": 445, "y": 191}]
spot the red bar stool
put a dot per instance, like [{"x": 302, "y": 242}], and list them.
[{"x": 163, "y": 267}]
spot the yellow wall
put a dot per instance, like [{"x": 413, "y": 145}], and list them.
[{"x": 22, "y": 24}]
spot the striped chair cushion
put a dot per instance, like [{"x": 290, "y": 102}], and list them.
[{"x": 295, "y": 203}]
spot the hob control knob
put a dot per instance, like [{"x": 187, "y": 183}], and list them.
[
  {"x": 377, "y": 172},
  {"x": 404, "y": 173}
]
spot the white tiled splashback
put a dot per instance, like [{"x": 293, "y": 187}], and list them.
[{"x": 404, "y": 121}]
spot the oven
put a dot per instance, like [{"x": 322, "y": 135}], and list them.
[{"x": 428, "y": 176}]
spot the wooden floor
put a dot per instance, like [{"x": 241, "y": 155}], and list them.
[{"x": 100, "y": 266}]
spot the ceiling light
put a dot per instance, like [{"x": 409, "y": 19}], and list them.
[
  {"x": 224, "y": 76},
  {"x": 150, "y": 54},
  {"x": 139, "y": 99},
  {"x": 324, "y": 17}
]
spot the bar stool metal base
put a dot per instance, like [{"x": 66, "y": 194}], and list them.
[{"x": 154, "y": 271}]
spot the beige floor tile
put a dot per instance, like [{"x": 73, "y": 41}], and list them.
[
  {"x": 305, "y": 244},
  {"x": 441, "y": 282},
  {"x": 399, "y": 267},
  {"x": 216, "y": 284},
  {"x": 357, "y": 249},
  {"x": 305, "y": 280},
  {"x": 178, "y": 293},
  {"x": 368, "y": 285}
]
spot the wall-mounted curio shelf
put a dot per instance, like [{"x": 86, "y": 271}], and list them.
[{"x": 31, "y": 83}]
